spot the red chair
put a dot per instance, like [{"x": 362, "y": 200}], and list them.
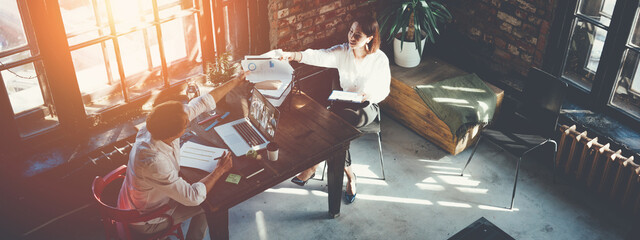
[{"x": 116, "y": 221}]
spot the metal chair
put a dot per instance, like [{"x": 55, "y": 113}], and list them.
[
  {"x": 116, "y": 221},
  {"x": 373, "y": 127},
  {"x": 532, "y": 125}
]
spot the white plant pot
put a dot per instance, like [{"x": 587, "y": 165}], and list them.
[{"x": 408, "y": 56}]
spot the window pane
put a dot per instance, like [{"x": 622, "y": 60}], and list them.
[
  {"x": 23, "y": 87},
  {"x": 140, "y": 58},
  {"x": 97, "y": 76},
  {"x": 79, "y": 18},
  {"x": 15, "y": 57},
  {"x": 182, "y": 48},
  {"x": 27, "y": 101},
  {"x": 634, "y": 38},
  {"x": 599, "y": 10},
  {"x": 128, "y": 14},
  {"x": 583, "y": 56},
  {"x": 626, "y": 94},
  {"x": 11, "y": 30}
]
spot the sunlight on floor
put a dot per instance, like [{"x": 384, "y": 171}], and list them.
[
  {"x": 444, "y": 168},
  {"x": 460, "y": 181},
  {"x": 394, "y": 199},
  {"x": 260, "y": 225},
  {"x": 472, "y": 190},
  {"x": 494, "y": 208},
  {"x": 294, "y": 191},
  {"x": 430, "y": 187},
  {"x": 453, "y": 204}
]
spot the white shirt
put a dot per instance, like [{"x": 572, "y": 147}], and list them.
[
  {"x": 152, "y": 174},
  {"x": 370, "y": 76}
]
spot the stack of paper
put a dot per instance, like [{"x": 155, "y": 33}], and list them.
[
  {"x": 200, "y": 156},
  {"x": 267, "y": 67}
]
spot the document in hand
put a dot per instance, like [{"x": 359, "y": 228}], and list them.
[
  {"x": 200, "y": 156},
  {"x": 346, "y": 96},
  {"x": 267, "y": 67}
]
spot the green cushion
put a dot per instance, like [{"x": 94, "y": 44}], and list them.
[{"x": 460, "y": 102}]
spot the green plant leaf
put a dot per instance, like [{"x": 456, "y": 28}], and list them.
[{"x": 417, "y": 38}]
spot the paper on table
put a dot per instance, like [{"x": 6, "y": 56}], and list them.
[
  {"x": 346, "y": 96},
  {"x": 200, "y": 156},
  {"x": 267, "y": 67}
]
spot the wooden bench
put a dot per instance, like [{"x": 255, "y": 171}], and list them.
[{"x": 405, "y": 105}]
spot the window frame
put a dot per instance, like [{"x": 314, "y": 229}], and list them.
[
  {"x": 45, "y": 19},
  {"x": 610, "y": 60}
]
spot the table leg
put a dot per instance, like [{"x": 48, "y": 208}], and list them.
[
  {"x": 335, "y": 174},
  {"x": 218, "y": 222}
]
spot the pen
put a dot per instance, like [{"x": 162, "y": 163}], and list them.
[
  {"x": 253, "y": 174},
  {"x": 216, "y": 122},
  {"x": 210, "y": 118}
]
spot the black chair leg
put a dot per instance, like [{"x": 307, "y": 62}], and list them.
[
  {"x": 555, "y": 153},
  {"x": 381, "y": 157},
  {"x": 515, "y": 183},
  {"x": 471, "y": 156}
]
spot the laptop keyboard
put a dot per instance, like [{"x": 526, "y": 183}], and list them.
[{"x": 248, "y": 134}]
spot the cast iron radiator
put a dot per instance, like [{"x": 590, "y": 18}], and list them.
[{"x": 601, "y": 168}]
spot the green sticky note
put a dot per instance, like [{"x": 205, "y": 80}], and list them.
[{"x": 233, "y": 178}]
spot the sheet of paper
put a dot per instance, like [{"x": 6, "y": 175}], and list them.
[
  {"x": 267, "y": 69},
  {"x": 345, "y": 96},
  {"x": 200, "y": 156}
]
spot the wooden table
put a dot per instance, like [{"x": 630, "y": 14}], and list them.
[{"x": 307, "y": 134}]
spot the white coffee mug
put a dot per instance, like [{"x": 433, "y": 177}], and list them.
[{"x": 272, "y": 151}]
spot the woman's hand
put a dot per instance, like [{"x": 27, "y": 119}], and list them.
[{"x": 291, "y": 56}]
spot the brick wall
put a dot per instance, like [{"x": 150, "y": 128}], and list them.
[
  {"x": 517, "y": 29},
  {"x": 301, "y": 24}
]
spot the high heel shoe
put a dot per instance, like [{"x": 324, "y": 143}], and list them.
[
  {"x": 299, "y": 182},
  {"x": 348, "y": 197}
]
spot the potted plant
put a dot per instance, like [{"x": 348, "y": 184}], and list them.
[
  {"x": 404, "y": 21},
  {"x": 221, "y": 69}
]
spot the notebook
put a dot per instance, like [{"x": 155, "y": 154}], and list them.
[{"x": 254, "y": 131}]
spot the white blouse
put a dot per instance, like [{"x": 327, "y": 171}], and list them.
[
  {"x": 152, "y": 174},
  {"x": 370, "y": 76}
]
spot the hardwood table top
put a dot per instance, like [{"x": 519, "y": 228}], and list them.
[{"x": 307, "y": 134}]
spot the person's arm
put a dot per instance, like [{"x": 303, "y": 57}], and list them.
[
  {"x": 378, "y": 83},
  {"x": 224, "y": 165},
  {"x": 328, "y": 58},
  {"x": 219, "y": 92},
  {"x": 291, "y": 56},
  {"x": 207, "y": 102}
]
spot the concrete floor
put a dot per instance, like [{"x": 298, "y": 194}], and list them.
[
  {"x": 425, "y": 198},
  {"x": 422, "y": 198}
]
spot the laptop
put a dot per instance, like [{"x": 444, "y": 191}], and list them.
[{"x": 254, "y": 131}]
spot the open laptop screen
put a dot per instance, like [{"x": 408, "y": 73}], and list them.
[{"x": 263, "y": 115}]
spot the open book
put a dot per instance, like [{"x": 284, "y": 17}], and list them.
[
  {"x": 346, "y": 96},
  {"x": 200, "y": 156}
]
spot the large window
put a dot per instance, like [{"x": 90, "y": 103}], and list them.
[
  {"x": 66, "y": 65},
  {"x": 123, "y": 49},
  {"x": 21, "y": 71},
  {"x": 595, "y": 46}
]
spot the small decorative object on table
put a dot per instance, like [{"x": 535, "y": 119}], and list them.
[{"x": 221, "y": 69}]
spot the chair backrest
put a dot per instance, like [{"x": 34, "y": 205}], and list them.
[
  {"x": 116, "y": 220},
  {"x": 543, "y": 96}
]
